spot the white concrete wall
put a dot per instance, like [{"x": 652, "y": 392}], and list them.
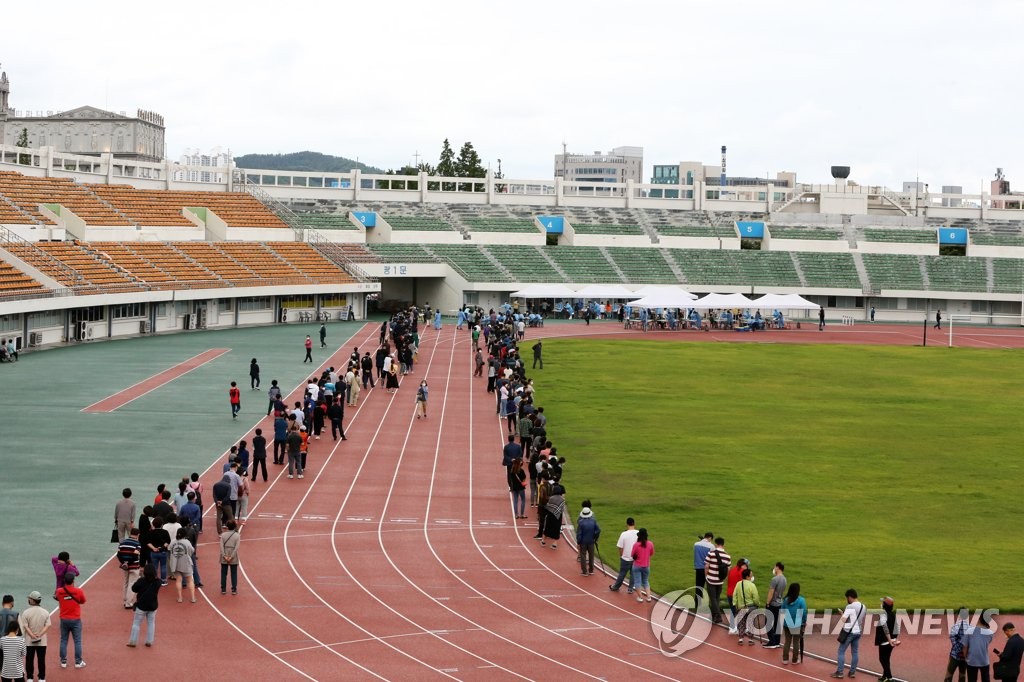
[
  {"x": 819, "y": 245},
  {"x": 897, "y": 247},
  {"x": 518, "y": 238}
]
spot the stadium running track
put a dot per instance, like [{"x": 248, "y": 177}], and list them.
[{"x": 397, "y": 557}]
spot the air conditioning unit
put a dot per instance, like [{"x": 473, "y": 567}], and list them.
[
  {"x": 144, "y": 326},
  {"x": 82, "y": 329},
  {"x": 201, "y": 319},
  {"x": 192, "y": 321},
  {"x": 35, "y": 338},
  {"x": 88, "y": 331}
]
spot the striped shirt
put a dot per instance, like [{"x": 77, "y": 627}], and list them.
[
  {"x": 711, "y": 563},
  {"x": 14, "y": 657}
]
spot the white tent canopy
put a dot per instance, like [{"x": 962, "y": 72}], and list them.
[
  {"x": 544, "y": 291},
  {"x": 653, "y": 289},
  {"x": 784, "y": 302},
  {"x": 675, "y": 298},
  {"x": 605, "y": 291},
  {"x": 722, "y": 301}
]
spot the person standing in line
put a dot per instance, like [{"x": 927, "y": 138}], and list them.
[
  {"x": 821, "y": 318},
  {"x": 242, "y": 457},
  {"x": 701, "y": 548},
  {"x": 852, "y": 622},
  {"x": 588, "y": 532},
  {"x": 537, "y": 350},
  {"x": 745, "y": 598},
  {"x": 273, "y": 396},
  {"x": 554, "y": 511},
  {"x": 627, "y": 539},
  {"x": 129, "y": 556},
  {"x": 70, "y": 600},
  {"x": 159, "y": 540},
  {"x": 146, "y": 589},
  {"x": 254, "y": 375},
  {"x": 62, "y": 565},
  {"x": 336, "y": 413},
  {"x": 794, "y": 619},
  {"x": 437, "y": 320},
  {"x": 229, "y": 540},
  {"x": 421, "y": 400},
  {"x": 124, "y": 514},
  {"x": 309, "y": 350},
  {"x": 938, "y": 319},
  {"x": 1010, "y": 656},
  {"x": 716, "y": 571},
  {"x": 976, "y": 646},
  {"x": 7, "y": 615},
  {"x": 776, "y": 588},
  {"x": 478, "y": 362},
  {"x": 643, "y": 550},
  {"x": 243, "y": 497},
  {"x": 887, "y": 637},
  {"x": 12, "y": 645},
  {"x": 392, "y": 376},
  {"x": 191, "y": 510},
  {"x": 517, "y": 487},
  {"x": 735, "y": 576},
  {"x": 280, "y": 438},
  {"x": 366, "y": 370},
  {"x": 294, "y": 451},
  {"x": 180, "y": 564},
  {"x": 235, "y": 396},
  {"x": 35, "y": 623},
  {"x": 259, "y": 454}
]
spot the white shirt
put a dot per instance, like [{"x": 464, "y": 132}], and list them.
[
  {"x": 314, "y": 390},
  {"x": 387, "y": 364},
  {"x": 854, "y": 613},
  {"x": 625, "y": 544}
]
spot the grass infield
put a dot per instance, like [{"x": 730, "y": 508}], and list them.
[{"x": 893, "y": 470}]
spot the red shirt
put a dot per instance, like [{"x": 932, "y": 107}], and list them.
[
  {"x": 735, "y": 576},
  {"x": 309, "y": 343},
  {"x": 69, "y": 608},
  {"x": 236, "y": 396},
  {"x": 642, "y": 554}
]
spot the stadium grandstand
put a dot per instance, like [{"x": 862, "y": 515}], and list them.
[{"x": 93, "y": 249}]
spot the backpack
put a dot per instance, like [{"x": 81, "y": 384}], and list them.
[{"x": 723, "y": 566}]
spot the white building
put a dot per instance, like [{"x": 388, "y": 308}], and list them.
[
  {"x": 618, "y": 166},
  {"x": 217, "y": 161}
]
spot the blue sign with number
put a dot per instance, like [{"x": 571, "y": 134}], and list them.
[
  {"x": 953, "y": 235},
  {"x": 553, "y": 224},
  {"x": 367, "y": 219},
  {"x": 750, "y": 229}
]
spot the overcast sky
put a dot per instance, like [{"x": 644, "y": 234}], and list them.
[{"x": 894, "y": 89}]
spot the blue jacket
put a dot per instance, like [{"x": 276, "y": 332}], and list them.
[
  {"x": 587, "y": 531},
  {"x": 280, "y": 429}
]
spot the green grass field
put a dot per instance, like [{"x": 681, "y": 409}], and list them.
[{"x": 893, "y": 470}]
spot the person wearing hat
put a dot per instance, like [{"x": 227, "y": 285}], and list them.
[
  {"x": 887, "y": 635},
  {"x": 34, "y": 622},
  {"x": 587, "y": 534}
]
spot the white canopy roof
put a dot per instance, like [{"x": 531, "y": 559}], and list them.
[
  {"x": 784, "y": 302},
  {"x": 605, "y": 291},
  {"x": 544, "y": 291},
  {"x": 652, "y": 289},
  {"x": 668, "y": 297},
  {"x": 722, "y": 301}
]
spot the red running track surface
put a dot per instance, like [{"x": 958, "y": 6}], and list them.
[{"x": 397, "y": 557}]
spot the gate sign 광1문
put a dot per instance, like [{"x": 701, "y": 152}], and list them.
[
  {"x": 750, "y": 229},
  {"x": 952, "y": 235}
]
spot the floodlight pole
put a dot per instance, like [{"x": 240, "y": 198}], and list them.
[{"x": 924, "y": 340}]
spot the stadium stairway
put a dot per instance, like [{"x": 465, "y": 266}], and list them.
[
  {"x": 615, "y": 266},
  {"x": 799, "y": 270},
  {"x": 554, "y": 266},
  {"x": 644, "y": 221},
  {"x": 862, "y": 272},
  {"x": 454, "y": 220},
  {"x": 674, "y": 266},
  {"x": 498, "y": 264},
  {"x": 990, "y": 274},
  {"x": 921, "y": 263}
]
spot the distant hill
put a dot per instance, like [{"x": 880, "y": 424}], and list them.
[{"x": 302, "y": 161}]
